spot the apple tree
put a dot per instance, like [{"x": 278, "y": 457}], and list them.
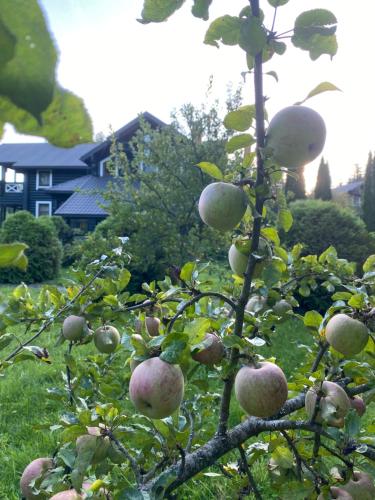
[{"x": 183, "y": 375}]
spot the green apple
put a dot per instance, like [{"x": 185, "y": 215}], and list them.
[
  {"x": 295, "y": 136},
  {"x": 346, "y": 335},
  {"x": 222, "y": 205},
  {"x": 152, "y": 325},
  {"x": 74, "y": 327},
  {"x": 106, "y": 339},
  {"x": 256, "y": 304}
]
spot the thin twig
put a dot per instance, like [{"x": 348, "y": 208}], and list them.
[
  {"x": 337, "y": 455},
  {"x": 68, "y": 377},
  {"x": 133, "y": 463},
  {"x": 322, "y": 350},
  {"x": 250, "y": 477}
]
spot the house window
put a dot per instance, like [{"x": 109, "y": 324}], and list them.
[
  {"x": 43, "y": 179},
  {"x": 43, "y": 208},
  {"x": 12, "y": 176}
]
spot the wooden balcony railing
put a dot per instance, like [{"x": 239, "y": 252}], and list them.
[{"x": 14, "y": 187}]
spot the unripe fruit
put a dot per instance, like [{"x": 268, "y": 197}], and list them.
[
  {"x": 360, "y": 486},
  {"x": 262, "y": 391},
  {"x": 222, "y": 205},
  {"x": 346, "y": 335},
  {"x": 359, "y": 405},
  {"x": 238, "y": 260},
  {"x": 156, "y": 388},
  {"x": 295, "y": 136},
  {"x": 74, "y": 327},
  {"x": 211, "y": 354},
  {"x": 332, "y": 395},
  {"x": 281, "y": 307},
  {"x": 36, "y": 468},
  {"x": 152, "y": 325},
  {"x": 67, "y": 495},
  {"x": 106, "y": 339},
  {"x": 99, "y": 444},
  {"x": 256, "y": 304},
  {"x": 336, "y": 493}
]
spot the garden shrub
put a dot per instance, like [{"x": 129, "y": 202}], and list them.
[
  {"x": 44, "y": 252},
  {"x": 320, "y": 224}
]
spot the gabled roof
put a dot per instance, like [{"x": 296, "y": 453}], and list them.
[
  {"x": 31, "y": 155},
  {"x": 126, "y": 132},
  {"x": 348, "y": 188},
  {"x": 86, "y": 202},
  {"x": 84, "y": 182}
]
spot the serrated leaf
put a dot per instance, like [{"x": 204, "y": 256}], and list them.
[
  {"x": 240, "y": 119},
  {"x": 201, "y": 9},
  {"x": 357, "y": 301},
  {"x": 369, "y": 264},
  {"x": 271, "y": 234},
  {"x": 11, "y": 255},
  {"x": 187, "y": 271},
  {"x": 123, "y": 279},
  {"x": 253, "y": 37},
  {"x": 239, "y": 141},
  {"x": 319, "y": 89},
  {"x": 28, "y": 78},
  {"x": 156, "y": 11},
  {"x": 313, "y": 319},
  {"x": 210, "y": 169},
  {"x": 285, "y": 219},
  {"x": 225, "y": 29}
]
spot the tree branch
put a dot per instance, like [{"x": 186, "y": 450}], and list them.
[{"x": 250, "y": 477}]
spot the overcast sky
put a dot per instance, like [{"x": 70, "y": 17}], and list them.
[{"x": 122, "y": 68}]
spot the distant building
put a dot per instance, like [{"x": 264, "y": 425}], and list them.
[
  {"x": 47, "y": 180},
  {"x": 350, "y": 193}
]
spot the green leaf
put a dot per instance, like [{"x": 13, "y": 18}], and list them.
[
  {"x": 7, "y": 44},
  {"x": 156, "y": 11},
  {"x": 352, "y": 424},
  {"x": 314, "y": 31},
  {"x": 313, "y": 319},
  {"x": 253, "y": 37},
  {"x": 357, "y": 301},
  {"x": 285, "y": 219},
  {"x": 277, "y": 3},
  {"x": 6, "y": 339},
  {"x": 187, "y": 271},
  {"x": 283, "y": 457},
  {"x": 271, "y": 234},
  {"x": 240, "y": 119},
  {"x": 28, "y": 78},
  {"x": 319, "y": 89},
  {"x": 133, "y": 494},
  {"x": 210, "y": 169},
  {"x": 11, "y": 255},
  {"x": 65, "y": 122},
  {"x": 200, "y": 9},
  {"x": 225, "y": 29},
  {"x": 369, "y": 264},
  {"x": 238, "y": 142},
  {"x": 341, "y": 296},
  {"x": 123, "y": 279}
]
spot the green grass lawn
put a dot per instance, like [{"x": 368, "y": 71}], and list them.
[{"x": 26, "y": 413}]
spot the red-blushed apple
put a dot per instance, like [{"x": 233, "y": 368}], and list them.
[
  {"x": 222, "y": 205},
  {"x": 106, "y": 339},
  {"x": 361, "y": 486},
  {"x": 261, "y": 391},
  {"x": 211, "y": 354},
  {"x": 156, "y": 388},
  {"x": 152, "y": 325},
  {"x": 336, "y": 493},
  {"x": 295, "y": 136},
  {"x": 73, "y": 495},
  {"x": 36, "y": 468},
  {"x": 334, "y": 404},
  {"x": 346, "y": 335},
  {"x": 358, "y": 404},
  {"x": 74, "y": 327}
]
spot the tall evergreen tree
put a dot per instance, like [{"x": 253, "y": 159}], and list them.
[
  {"x": 323, "y": 182},
  {"x": 295, "y": 185},
  {"x": 368, "y": 203}
]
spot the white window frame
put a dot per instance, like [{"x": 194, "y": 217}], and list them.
[
  {"x": 41, "y": 202},
  {"x": 37, "y": 179},
  {"x": 101, "y": 166}
]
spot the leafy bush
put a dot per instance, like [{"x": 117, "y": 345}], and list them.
[
  {"x": 64, "y": 231},
  {"x": 320, "y": 224},
  {"x": 44, "y": 252}
]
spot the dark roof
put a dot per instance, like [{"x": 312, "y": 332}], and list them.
[
  {"x": 125, "y": 133},
  {"x": 84, "y": 182},
  {"x": 31, "y": 155},
  {"x": 86, "y": 202},
  {"x": 348, "y": 188}
]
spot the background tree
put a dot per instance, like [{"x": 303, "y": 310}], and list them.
[
  {"x": 295, "y": 188},
  {"x": 368, "y": 199},
  {"x": 323, "y": 182}
]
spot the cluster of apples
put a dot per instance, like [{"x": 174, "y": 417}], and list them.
[
  {"x": 39, "y": 469},
  {"x": 295, "y": 136},
  {"x": 106, "y": 338}
]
